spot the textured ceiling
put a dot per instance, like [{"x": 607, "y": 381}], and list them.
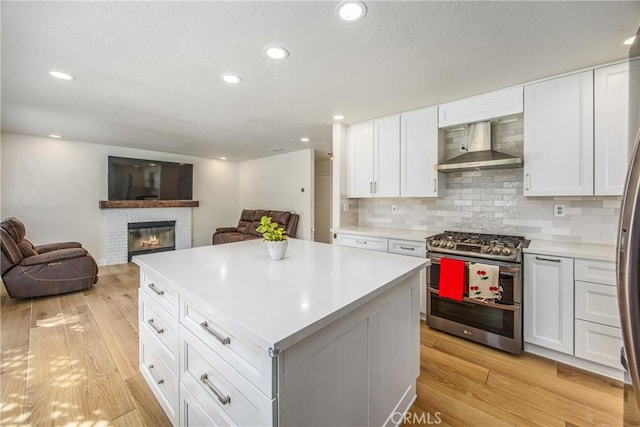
[{"x": 148, "y": 72}]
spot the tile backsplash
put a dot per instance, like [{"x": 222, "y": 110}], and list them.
[{"x": 491, "y": 201}]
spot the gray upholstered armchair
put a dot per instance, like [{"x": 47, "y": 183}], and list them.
[{"x": 33, "y": 271}]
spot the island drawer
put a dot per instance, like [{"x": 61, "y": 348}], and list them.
[
  {"x": 159, "y": 292},
  {"x": 161, "y": 328},
  {"x": 589, "y": 270},
  {"x": 408, "y": 247},
  {"x": 192, "y": 414},
  {"x": 217, "y": 386},
  {"x": 160, "y": 377},
  {"x": 248, "y": 359},
  {"x": 362, "y": 242}
]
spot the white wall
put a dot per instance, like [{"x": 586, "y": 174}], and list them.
[
  {"x": 275, "y": 183},
  {"x": 54, "y": 187}
]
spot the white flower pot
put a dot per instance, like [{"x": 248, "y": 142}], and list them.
[{"x": 277, "y": 250}]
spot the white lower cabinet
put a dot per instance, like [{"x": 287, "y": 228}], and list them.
[
  {"x": 598, "y": 343},
  {"x": 571, "y": 307},
  {"x": 548, "y": 302},
  {"x": 363, "y": 242}
]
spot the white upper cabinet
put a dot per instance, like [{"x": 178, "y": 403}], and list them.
[
  {"x": 613, "y": 137},
  {"x": 482, "y": 107},
  {"x": 420, "y": 150},
  {"x": 386, "y": 156},
  {"x": 373, "y": 158},
  {"x": 360, "y": 160},
  {"x": 558, "y": 136}
]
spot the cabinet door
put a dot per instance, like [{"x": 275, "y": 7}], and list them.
[
  {"x": 481, "y": 107},
  {"x": 613, "y": 135},
  {"x": 386, "y": 156},
  {"x": 360, "y": 160},
  {"x": 558, "y": 136},
  {"x": 419, "y": 153},
  {"x": 548, "y": 302}
]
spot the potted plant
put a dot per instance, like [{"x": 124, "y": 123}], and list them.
[{"x": 275, "y": 237}]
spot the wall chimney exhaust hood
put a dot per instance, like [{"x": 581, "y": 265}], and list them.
[{"x": 479, "y": 153}]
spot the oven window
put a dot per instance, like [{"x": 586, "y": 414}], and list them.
[
  {"x": 507, "y": 283},
  {"x": 488, "y": 319}
]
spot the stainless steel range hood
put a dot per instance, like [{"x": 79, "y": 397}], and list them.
[{"x": 479, "y": 154}]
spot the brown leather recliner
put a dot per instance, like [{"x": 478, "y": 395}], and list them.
[
  {"x": 34, "y": 271},
  {"x": 250, "y": 220}
]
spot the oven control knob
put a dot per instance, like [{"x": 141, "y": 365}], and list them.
[
  {"x": 506, "y": 251},
  {"x": 443, "y": 243},
  {"x": 496, "y": 250},
  {"x": 486, "y": 249},
  {"x": 435, "y": 243},
  {"x": 450, "y": 245}
]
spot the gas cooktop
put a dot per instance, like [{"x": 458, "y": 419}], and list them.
[{"x": 489, "y": 246}]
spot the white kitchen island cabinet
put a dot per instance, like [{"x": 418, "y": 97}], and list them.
[{"x": 327, "y": 336}]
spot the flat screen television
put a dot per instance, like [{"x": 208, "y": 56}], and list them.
[{"x": 138, "y": 179}]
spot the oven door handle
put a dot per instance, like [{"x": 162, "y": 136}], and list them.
[{"x": 473, "y": 302}]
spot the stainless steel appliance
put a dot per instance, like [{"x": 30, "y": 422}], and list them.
[
  {"x": 628, "y": 257},
  {"x": 495, "y": 323}
]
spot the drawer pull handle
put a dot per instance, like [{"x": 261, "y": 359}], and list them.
[
  {"x": 223, "y": 399},
  {"x": 155, "y": 328},
  {"x": 223, "y": 340},
  {"x": 361, "y": 242},
  {"x": 156, "y": 290},
  {"x": 158, "y": 381},
  {"x": 407, "y": 248},
  {"x": 547, "y": 259}
]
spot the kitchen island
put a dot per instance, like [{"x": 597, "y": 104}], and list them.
[{"x": 327, "y": 336}]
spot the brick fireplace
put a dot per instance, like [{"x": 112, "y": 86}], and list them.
[{"x": 117, "y": 228}]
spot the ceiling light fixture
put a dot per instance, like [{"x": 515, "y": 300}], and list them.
[
  {"x": 231, "y": 78},
  {"x": 223, "y": 158},
  {"x": 52, "y": 135},
  {"x": 629, "y": 41},
  {"x": 304, "y": 139},
  {"x": 352, "y": 11},
  {"x": 61, "y": 75},
  {"x": 276, "y": 52},
  {"x": 338, "y": 117}
]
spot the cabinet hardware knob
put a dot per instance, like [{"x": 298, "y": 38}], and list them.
[
  {"x": 223, "y": 399},
  {"x": 527, "y": 181}
]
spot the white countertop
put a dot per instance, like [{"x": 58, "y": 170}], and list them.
[
  {"x": 387, "y": 233},
  {"x": 278, "y": 303},
  {"x": 574, "y": 250}
]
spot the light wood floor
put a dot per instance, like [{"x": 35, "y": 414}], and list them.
[{"x": 73, "y": 361}]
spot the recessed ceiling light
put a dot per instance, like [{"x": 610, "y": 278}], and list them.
[
  {"x": 61, "y": 75},
  {"x": 223, "y": 158},
  {"x": 231, "y": 78},
  {"x": 352, "y": 11},
  {"x": 629, "y": 41},
  {"x": 338, "y": 117},
  {"x": 304, "y": 139},
  {"x": 276, "y": 52},
  {"x": 52, "y": 135}
]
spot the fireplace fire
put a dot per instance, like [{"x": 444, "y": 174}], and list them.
[{"x": 147, "y": 237}]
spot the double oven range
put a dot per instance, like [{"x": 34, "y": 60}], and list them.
[{"x": 496, "y": 323}]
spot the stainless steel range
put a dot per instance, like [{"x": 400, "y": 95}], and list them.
[{"x": 494, "y": 322}]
